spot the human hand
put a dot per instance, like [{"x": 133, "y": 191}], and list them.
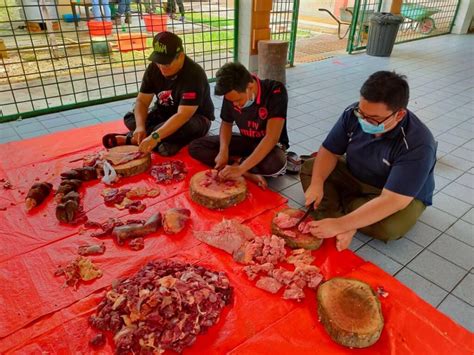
[
  {"x": 314, "y": 194},
  {"x": 343, "y": 240},
  {"x": 139, "y": 135},
  {"x": 221, "y": 160},
  {"x": 325, "y": 228},
  {"x": 231, "y": 172},
  {"x": 147, "y": 145}
]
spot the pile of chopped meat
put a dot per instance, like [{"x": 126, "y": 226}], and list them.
[
  {"x": 79, "y": 269},
  {"x": 214, "y": 179},
  {"x": 125, "y": 198},
  {"x": 261, "y": 254},
  {"x": 166, "y": 305},
  {"x": 169, "y": 172}
]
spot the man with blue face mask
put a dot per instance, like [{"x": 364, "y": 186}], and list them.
[
  {"x": 374, "y": 171},
  {"x": 258, "y": 108}
]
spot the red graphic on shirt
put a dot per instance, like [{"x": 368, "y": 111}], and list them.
[
  {"x": 277, "y": 91},
  {"x": 189, "y": 96},
  {"x": 165, "y": 98},
  {"x": 262, "y": 113}
]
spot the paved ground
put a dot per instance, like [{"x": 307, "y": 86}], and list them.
[{"x": 436, "y": 257}]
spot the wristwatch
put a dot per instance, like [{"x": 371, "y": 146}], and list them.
[{"x": 156, "y": 136}]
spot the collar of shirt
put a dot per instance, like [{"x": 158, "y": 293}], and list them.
[
  {"x": 259, "y": 89},
  {"x": 398, "y": 128}
]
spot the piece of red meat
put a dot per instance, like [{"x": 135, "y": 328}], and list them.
[
  {"x": 285, "y": 221},
  {"x": 268, "y": 284},
  {"x": 175, "y": 219}
]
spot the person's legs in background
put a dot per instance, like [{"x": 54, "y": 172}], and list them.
[
  {"x": 101, "y": 10},
  {"x": 181, "y": 9},
  {"x": 123, "y": 9}
]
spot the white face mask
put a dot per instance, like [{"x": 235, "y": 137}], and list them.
[{"x": 249, "y": 102}]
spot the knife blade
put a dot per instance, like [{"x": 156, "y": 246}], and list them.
[{"x": 306, "y": 214}]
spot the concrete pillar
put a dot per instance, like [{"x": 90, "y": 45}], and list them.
[
  {"x": 464, "y": 17},
  {"x": 254, "y": 25},
  {"x": 245, "y": 36}
]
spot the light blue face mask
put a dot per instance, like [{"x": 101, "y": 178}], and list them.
[
  {"x": 249, "y": 102},
  {"x": 370, "y": 128}
]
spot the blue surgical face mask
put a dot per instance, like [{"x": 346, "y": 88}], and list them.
[
  {"x": 249, "y": 102},
  {"x": 370, "y": 128}
]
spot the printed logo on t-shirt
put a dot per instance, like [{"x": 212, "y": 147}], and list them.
[
  {"x": 189, "y": 96},
  {"x": 253, "y": 130},
  {"x": 277, "y": 91},
  {"x": 263, "y": 113},
  {"x": 165, "y": 98}
]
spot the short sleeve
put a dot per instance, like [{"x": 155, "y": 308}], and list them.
[
  {"x": 338, "y": 138},
  {"x": 227, "y": 111},
  {"x": 148, "y": 84},
  {"x": 409, "y": 172},
  {"x": 192, "y": 91},
  {"x": 278, "y": 102}
]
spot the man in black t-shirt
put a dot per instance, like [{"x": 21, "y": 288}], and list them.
[
  {"x": 183, "y": 110},
  {"x": 258, "y": 108}
]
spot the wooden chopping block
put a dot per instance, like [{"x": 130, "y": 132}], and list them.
[
  {"x": 133, "y": 167},
  {"x": 293, "y": 237},
  {"x": 209, "y": 192},
  {"x": 350, "y": 311}
]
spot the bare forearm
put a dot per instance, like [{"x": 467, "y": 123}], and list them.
[
  {"x": 324, "y": 164},
  {"x": 141, "y": 114},
  {"x": 374, "y": 211},
  {"x": 174, "y": 123},
  {"x": 225, "y": 135}
]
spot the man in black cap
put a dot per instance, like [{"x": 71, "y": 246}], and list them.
[{"x": 183, "y": 110}]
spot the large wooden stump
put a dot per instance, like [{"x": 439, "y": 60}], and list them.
[
  {"x": 132, "y": 167},
  {"x": 207, "y": 190},
  {"x": 350, "y": 311},
  {"x": 272, "y": 60}
]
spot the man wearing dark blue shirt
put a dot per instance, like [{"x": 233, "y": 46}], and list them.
[{"x": 385, "y": 181}]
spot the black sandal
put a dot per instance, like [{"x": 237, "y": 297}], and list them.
[
  {"x": 293, "y": 163},
  {"x": 110, "y": 140}
]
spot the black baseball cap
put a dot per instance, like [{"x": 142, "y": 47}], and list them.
[{"x": 166, "y": 46}]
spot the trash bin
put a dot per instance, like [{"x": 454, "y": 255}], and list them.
[{"x": 383, "y": 31}]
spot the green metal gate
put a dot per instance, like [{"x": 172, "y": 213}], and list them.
[
  {"x": 284, "y": 24},
  {"x": 359, "y": 30},
  {"x": 54, "y": 64},
  {"x": 422, "y": 19}
]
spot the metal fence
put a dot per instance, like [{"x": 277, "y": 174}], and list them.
[
  {"x": 422, "y": 19},
  {"x": 359, "y": 31},
  {"x": 426, "y": 18},
  {"x": 53, "y": 62},
  {"x": 284, "y": 24}
]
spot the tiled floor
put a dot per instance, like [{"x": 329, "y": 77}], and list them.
[{"x": 436, "y": 258}]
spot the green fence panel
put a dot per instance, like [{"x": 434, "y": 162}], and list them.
[
  {"x": 55, "y": 63},
  {"x": 359, "y": 31},
  {"x": 284, "y": 24},
  {"x": 422, "y": 19},
  {"x": 425, "y": 18}
]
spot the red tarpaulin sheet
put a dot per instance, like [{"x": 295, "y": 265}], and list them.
[{"x": 38, "y": 315}]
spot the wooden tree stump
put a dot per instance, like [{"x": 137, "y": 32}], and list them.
[{"x": 272, "y": 60}]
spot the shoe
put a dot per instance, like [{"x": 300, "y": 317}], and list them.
[
  {"x": 293, "y": 163},
  {"x": 128, "y": 18},
  {"x": 307, "y": 157},
  {"x": 118, "y": 19},
  {"x": 168, "y": 149},
  {"x": 181, "y": 18},
  {"x": 110, "y": 140}
]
